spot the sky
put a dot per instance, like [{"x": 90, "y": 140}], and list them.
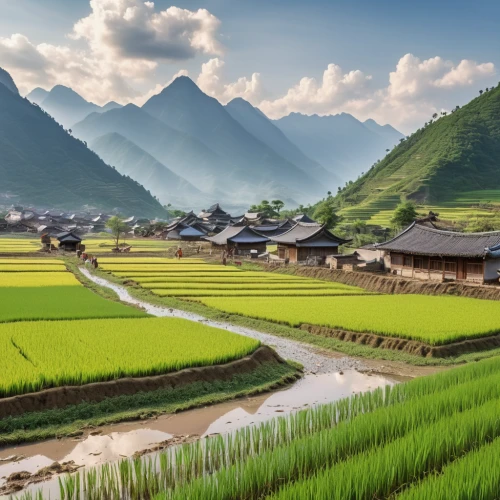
[{"x": 396, "y": 62}]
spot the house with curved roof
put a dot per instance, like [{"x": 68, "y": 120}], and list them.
[
  {"x": 306, "y": 240},
  {"x": 242, "y": 239},
  {"x": 424, "y": 252}
]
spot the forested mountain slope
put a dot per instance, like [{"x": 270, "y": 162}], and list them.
[
  {"x": 441, "y": 164},
  {"x": 41, "y": 164}
]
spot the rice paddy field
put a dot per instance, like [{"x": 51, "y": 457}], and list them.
[
  {"x": 93, "y": 245},
  {"x": 42, "y": 354},
  {"x": 429, "y": 319},
  {"x": 435, "y": 437},
  {"x": 295, "y": 301}
]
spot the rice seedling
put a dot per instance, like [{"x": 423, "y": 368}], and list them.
[
  {"x": 50, "y": 354},
  {"x": 244, "y": 292},
  {"x": 149, "y": 260},
  {"x": 379, "y": 473},
  {"x": 37, "y": 279},
  {"x": 391, "y": 315},
  {"x": 472, "y": 476},
  {"x": 243, "y": 458},
  {"x": 244, "y": 285},
  {"x": 302, "y": 458},
  {"x": 9, "y": 268},
  {"x": 58, "y": 303},
  {"x": 171, "y": 268}
]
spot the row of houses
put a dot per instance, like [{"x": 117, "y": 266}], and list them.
[{"x": 22, "y": 220}]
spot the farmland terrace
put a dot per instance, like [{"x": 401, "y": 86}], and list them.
[{"x": 78, "y": 356}]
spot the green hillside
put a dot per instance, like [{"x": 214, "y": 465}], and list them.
[
  {"x": 43, "y": 165},
  {"x": 451, "y": 166}
]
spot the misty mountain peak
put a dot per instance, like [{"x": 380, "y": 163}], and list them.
[{"x": 8, "y": 81}]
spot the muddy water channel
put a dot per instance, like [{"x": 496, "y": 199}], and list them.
[{"x": 326, "y": 379}]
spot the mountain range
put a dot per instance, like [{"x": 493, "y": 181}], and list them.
[
  {"x": 453, "y": 161},
  {"x": 65, "y": 105},
  {"x": 42, "y": 164},
  {"x": 231, "y": 152},
  {"x": 341, "y": 143}
]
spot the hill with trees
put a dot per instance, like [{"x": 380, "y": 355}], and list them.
[
  {"x": 450, "y": 165},
  {"x": 43, "y": 165}
]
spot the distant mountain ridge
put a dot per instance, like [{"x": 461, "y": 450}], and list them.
[
  {"x": 41, "y": 164},
  {"x": 7, "y": 80},
  {"x": 260, "y": 126},
  {"x": 450, "y": 160},
  {"x": 340, "y": 143},
  {"x": 133, "y": 161},
  {"x": 184, "y": 107},
  {"x": 65, "y": 105}
]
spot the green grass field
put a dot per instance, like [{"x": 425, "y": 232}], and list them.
[
  {"x": 429, "y": 319},
  {"x": 42, "y": 354}
]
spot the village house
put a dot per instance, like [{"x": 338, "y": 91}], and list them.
[
  {"x": 69, "y": 242},
  {"x": 307, "y": 240},
  {"x": 241, "y": 239},
  {"x": 428, "y": 253}
]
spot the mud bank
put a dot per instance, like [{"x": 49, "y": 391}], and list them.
[
  {"x": 60, "y": 397},
  {"x": 412, "y": 347},
  {"x": 383, "y": 283}
]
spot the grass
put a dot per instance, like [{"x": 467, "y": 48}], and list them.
[
  {"x": 440, "y": 319},
  {"x": 67, "y": 421},
  {"x": 38, "y": 355},
  {"x": 11, "y": 267},
  {"x": 58, "y": 303}
]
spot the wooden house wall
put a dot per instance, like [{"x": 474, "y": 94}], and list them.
[{"x": 429, "y": 267}]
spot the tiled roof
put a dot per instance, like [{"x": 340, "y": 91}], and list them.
[
  {"x": 237, "y": 234},
  {"x": 303, "y": 233},
  {"x": 423, "y": 240}
]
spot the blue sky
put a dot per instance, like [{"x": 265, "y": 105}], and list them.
[{"x": 284, "y": 41}]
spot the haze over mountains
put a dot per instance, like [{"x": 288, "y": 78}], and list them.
[
  {"x": 340, "y": 143},
  {"x": 42, "y": 164},
  {"x": 231, "y": 152}
]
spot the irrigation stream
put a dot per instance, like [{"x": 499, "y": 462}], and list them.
[{"x": 327, "y": 378}]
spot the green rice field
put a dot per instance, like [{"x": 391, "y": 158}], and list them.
[
  {"x": 435, "y": 437},
  {"x": 429, "y": 319},
  {"x": 42, "y": 354},
  {"x": 96, "y": 245},
  {"x": 58, "y": 302}
]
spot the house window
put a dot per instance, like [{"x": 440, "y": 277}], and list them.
[
  {"x": 419, "y": 263},
  {"x": 436, "y": 265},
  {"x": 408, "y": 261},
  {"x": 474, "y": 269},
  {"x": 450, "y": 267},
  {"x": 396, "y": 259}
]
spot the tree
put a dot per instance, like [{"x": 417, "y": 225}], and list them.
[
  {"x": 265, "y": 208},
  {"x": 118, "y": 227},
  {"x": 325, "y": 213},
  {"x": 277, "y": 205},
  {"x": 480, "y": 92},
  {"x": 404, "y": 214},
  {"x": 435, "y": 115}
]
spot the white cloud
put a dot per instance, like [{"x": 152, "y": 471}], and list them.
[
  {"x": 125, "y": 41},
  {"x": 310, "y": 96},
  {"x": 132, "y": 29},
  {"x": 211, "y": 81},
  {"x": 415, "y": 90}
]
